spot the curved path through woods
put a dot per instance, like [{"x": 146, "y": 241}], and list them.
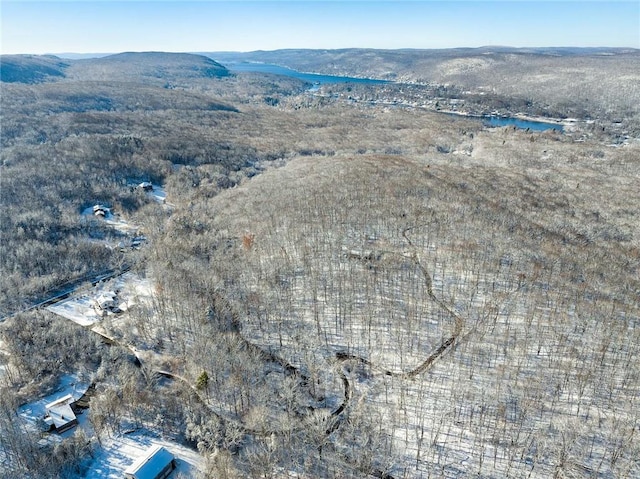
[{"x": 334, "y": 419}]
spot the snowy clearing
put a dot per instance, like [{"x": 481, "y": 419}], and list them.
[
  {"x": 129, "y": 289},
  {"x": 105, "y": 214},
  {"x": 33, "y": 413},
  {"x": 118, "y": 453},
  {"x": 158, "y": 193}
]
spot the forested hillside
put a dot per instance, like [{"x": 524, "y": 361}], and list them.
[
  {"x": 31, "y": 68},
  {"x": 72, "y": 143},
  {"x": 330, "y": 288}
]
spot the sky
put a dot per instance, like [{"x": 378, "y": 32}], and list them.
[{"x": 105, "y": 26}]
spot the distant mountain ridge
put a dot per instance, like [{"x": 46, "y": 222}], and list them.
[
  {"x": 31, "y": 68},
  {"x": 562, "y": 82},
  {"x": 402, "y": 64},
  {"x": 412, "y": 64},
  {"x": 119, "y": 67},
  {"x": 151, "y": 65}
]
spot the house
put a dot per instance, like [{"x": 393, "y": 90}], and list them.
[
  {"x": 156, "y": 463},
  {"x": 106, "y": 302},
  {"x": 60, "y": 415},
  {"x": 99, "y": 210},
  {"x": 145, "y": 186}
]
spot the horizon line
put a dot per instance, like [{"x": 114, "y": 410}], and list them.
[{"x": 197, "y": 52}]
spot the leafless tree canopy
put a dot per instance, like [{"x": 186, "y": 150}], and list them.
[{"x": 343, "y": 286}]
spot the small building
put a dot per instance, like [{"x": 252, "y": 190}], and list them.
[
  {"x": 145, "y": 186},
  {"x": 99, "y": 210},
  {"x": 136, "y": 242},
  {"x": 60, "y": 415},
  {"x": 107, "y": 301},
  {"x": 156, "y": 463}
]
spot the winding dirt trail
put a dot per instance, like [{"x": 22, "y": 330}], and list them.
[{"x": 334, "y": 419}]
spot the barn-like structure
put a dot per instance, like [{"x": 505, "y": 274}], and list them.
[{"x": 156, "y": 463}]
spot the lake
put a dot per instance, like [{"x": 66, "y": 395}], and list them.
[
  {"x": 309, "y": 77},
  {"x": 496, "y": 121},
  {"x": 318, "y": 79}
]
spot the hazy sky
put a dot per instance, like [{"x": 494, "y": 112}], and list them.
[{"x": 113, "y": 26}]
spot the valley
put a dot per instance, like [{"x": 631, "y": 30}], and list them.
[{"x": 334, "y": 280}]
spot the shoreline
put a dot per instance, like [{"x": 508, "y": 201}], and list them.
[{"x": 517, "y": 116}]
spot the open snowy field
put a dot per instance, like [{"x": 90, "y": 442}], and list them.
[{"x": 110, "y": 218}]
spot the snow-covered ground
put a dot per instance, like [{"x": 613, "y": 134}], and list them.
[
  {"x": 129, "y": 290},
  {"x": 32, "y": 413},
  {"x": 119, "y": 452},
  {"x": 123, "y": 291},
  {"x": 116, "y": 453},
  {"x": 498, "y": 403},
  {"x": 111, "y": 218},
  {"x": 158, "y": 193},
  {"x": 79, "y": 309}
]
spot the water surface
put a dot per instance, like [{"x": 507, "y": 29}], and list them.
[
  {"x": 318, "y": 79},
  {"x": 315, "y": 78},
  {"x": 495, "y": 121}
]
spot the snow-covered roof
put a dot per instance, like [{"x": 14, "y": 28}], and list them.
[
  {"x": 59, "y": 412},
  {"x": 106, "y": 299},
  {"x": 149, "y": 466},
  {"x": 60, "y": 401}
]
